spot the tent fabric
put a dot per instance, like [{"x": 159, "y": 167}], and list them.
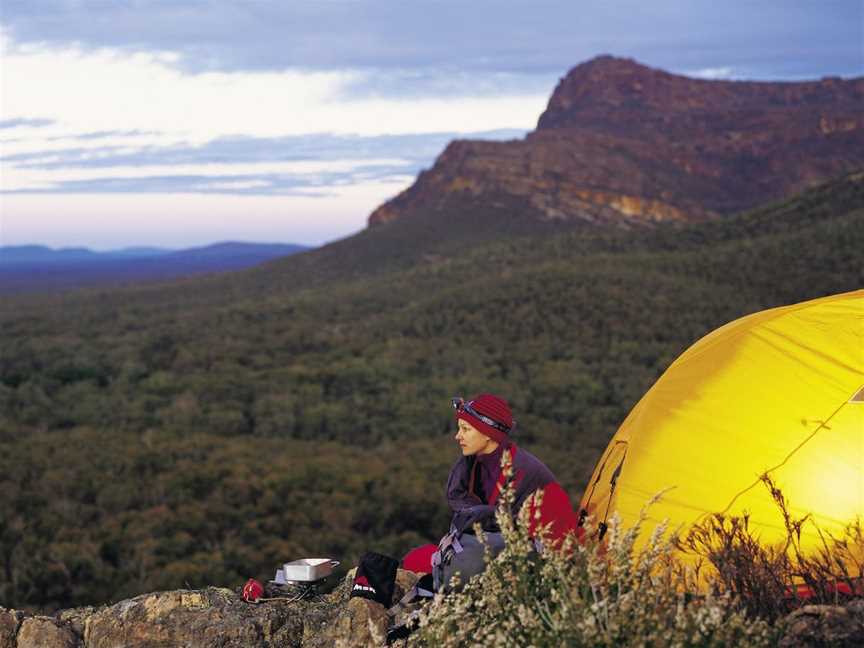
[{"x": 779, "y": 392}]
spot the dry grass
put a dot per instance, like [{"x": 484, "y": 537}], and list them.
[{"x": 771, "y": 580}]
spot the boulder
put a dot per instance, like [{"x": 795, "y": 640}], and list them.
[
  {"x": 213, "y": 616},
  {"x": 74, "y": 618},
  {"x": 46, "y": 632},
  {"x": 10, "y": 622},
  {"x": 815, "y": 626},
  {"x": 364, "y": 623}
]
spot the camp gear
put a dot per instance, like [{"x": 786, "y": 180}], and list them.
[
  {"x": 406, "y": 613},
  {"x": 255, "y": 592},
  {"x": 400, "y": 631},
  {"x": 779, "y": 392},
  {"x": 489, "y": 414},
  {"x": 291, "y": 591},
  {"x": 419, "y": 559},
  {"x": 305, "y": 570},
  {"x": 422, "y": 591},
  {"x": 252, "y": 591},
  {"x": 375, "y": 578},
  {"x": 294, "y": 581},
  {"x": 463, "y": 554}
]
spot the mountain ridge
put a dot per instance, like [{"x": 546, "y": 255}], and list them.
[
  {"x": 621, "y": 143},
  {"x": 36, "y": 253},
  {"x": 35, "y": 268}
]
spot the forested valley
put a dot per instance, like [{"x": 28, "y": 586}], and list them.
[{"x": 203, "y": 431}]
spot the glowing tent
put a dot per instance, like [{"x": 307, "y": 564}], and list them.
[{"x": 778, "y": 392}]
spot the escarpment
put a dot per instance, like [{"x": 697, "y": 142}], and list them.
[{"x": 627, "y": 144}]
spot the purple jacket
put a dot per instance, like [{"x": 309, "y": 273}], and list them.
[{"x": 529, "y": 474}]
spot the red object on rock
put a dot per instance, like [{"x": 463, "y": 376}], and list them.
[
  {"x": 252, "y": 591},
  {"x": 419, "y": 559}
]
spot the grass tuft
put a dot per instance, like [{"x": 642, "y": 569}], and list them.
[{"x": 772, "y": 580}]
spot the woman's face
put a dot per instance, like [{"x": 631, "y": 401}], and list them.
[{"x": 472, "y": 441}]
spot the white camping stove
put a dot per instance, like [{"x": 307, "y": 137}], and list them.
[{"x": 301, "y": 578}]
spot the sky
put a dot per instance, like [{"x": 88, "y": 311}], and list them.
[{"x": 184, "y": 122}]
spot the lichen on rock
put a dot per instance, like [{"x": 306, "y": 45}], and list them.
[{"x": 215, "y": 616}]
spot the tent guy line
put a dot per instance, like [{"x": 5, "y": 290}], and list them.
[{"x": 823, "y": 425}]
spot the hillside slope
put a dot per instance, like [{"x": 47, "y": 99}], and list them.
[{"x": 206, "y": 430}]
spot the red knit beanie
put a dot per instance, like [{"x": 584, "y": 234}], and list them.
[{"x": 489, "y": 407}]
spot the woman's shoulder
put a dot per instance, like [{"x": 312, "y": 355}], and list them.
[{"x": 523, "y": 460}]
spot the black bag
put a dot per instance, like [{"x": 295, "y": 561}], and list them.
[{"x": 375, "y": 578}]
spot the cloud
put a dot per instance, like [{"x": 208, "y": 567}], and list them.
[
  {"x": 91, "y": 92},
  {"x": 275, "y": 104},
  {"x": 20, "y": 122},
  {"x": 414, "y": 147},
  {"x": 416, "y": 83},
  {"x": 238, "y": 164},
  {"x": 441, "y": 39},
  {"x": 266, "y": 184},
  {"x": 261, "y": 183},
  {"x": 714, "y": 73},
  {"x": 97, "y": 135},
  {"x": 265, "y": 36}
]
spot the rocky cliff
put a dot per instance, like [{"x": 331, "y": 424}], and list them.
[{"x": 621, "y": 142}]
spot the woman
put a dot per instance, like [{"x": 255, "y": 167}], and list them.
[{"x": 485, "y": 424}]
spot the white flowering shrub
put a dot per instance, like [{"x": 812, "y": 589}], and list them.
[{"x": 585, "y": 594}]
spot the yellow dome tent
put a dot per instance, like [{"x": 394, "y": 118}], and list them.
[{"x": 778, "y": 392}]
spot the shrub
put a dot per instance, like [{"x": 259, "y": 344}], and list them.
[
  {"x": 769, "y": 580},
  {"x": 587, "y": 594}
]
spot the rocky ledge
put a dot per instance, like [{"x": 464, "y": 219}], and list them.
[
  {"x": 825, "y": 625},
  {"x": 219, "y": 617},
  {"x": 214, "y": 616}
]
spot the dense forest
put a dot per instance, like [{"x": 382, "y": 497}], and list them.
[{"x": 203, "y": 431}]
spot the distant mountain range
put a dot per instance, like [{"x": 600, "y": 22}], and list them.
[
  {"x": 30, "y": 254},
  {"x": 627, "y": 144},
  {"x": 29, "y": 268}
]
